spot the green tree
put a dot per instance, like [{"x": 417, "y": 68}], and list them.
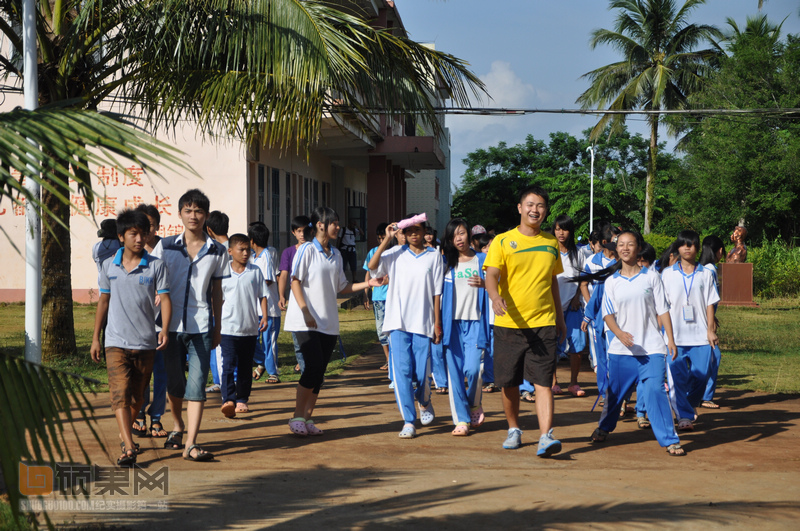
[
  {"x": 659, "y": 70},
  {"x": 747, "y": 168},
  {"x": 227, "y": 64}
]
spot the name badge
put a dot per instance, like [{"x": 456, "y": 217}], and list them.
[{"x": 688, "y": 313}]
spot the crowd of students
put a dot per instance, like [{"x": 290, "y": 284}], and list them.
[{"x": 474, "y": 313}]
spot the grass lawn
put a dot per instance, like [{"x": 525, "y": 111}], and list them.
[
  {"x": 357, "y": 332},
  {"x": 760, "y": 346}
]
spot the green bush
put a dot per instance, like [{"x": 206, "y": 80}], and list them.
[
  {"x": 776, "y": 269},
  {"x": 659, "y": 241}
]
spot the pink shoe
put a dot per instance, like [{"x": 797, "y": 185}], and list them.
[
  {"x": 462, "y": 430},
  {"x": 298, "y": 426},
  {"x": 241, "y": 407},
  {"x": 557, "y": 390},
  {"x": 312, "y": 429},
  {"x": 575, "y": 390},
  {"x": 476, "y": 417},
  {"x": 228, "y": 409}
]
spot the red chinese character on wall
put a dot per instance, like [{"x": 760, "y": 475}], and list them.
[
  {"x": 107, "y": 176},
  {"x": 135, "y": 202},
  {"x": 79, "y": 205},
  {"x": 173, "y": 230},
  {"x": 134, "y": 177},
  {"x": 107, "y": 207},
  {"x": 19, "y": 208},
  {"x": 163, "y": 204}
]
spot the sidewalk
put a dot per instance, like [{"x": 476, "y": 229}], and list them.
[{"x": 742, "y": 469}]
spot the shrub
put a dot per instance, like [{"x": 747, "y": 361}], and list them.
[
  {"x": 776, "y": 269},
  {"x": 659, "y": 241}
]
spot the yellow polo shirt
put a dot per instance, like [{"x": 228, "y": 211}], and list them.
[{"x": 527, "y": 266}]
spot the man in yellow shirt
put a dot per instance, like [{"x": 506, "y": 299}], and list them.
[{"x": 521, "y": 269}]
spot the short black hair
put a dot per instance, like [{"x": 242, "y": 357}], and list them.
[
  {"x": 151, "y": 211},
  {"x": 648, "y": 253},
  {"x": 132, "y": 219},
  {"x": 483, "y": 239},
  {"x": 380, "y": 230},
  {"x": 300, "y": 222},
  {"x": 218, "y": 222},
  {"x": 238, "y": 238},
  {"x": 537, "y": 190},
  {"x": 258, "y": 233},
  {"x": 689, "y": 238},
  {"x": 194, "y": 197}
]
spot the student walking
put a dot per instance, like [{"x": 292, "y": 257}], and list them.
[
  {"x": 129, "y": 283},
  {"x": 521, "y": 270},
  {"x": 634, "y": 305},
  {"x": 299, "y": 224},
  {"x": 713, "y": 251},
  {"x": 413, "y": 318},
  {"x": 465, "y": 325},
  {"x": 196, "y": 264},
  {"x": 317, "y": 276},
  {"x": 266, "y": 258},
  {"x": 692, "y": 294}
]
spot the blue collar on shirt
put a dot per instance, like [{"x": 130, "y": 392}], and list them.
[
  {"x": 697, "y": 267},
  {"x": 322, "y": 249},
  {"x": 144, "y": 262},
  {"x": 597, "y": 258},
  {"x": 644, "y": 271},
  {"x": 415, "y": 255}
]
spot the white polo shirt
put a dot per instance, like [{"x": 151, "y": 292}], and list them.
[
  {"x": 414, "y": 279},
  {"x": 571, "y": 270},
  {"x": 242, "y": 293},
  {"x": 321, "y": 278},
  {"x": 702, "y": 290},
  {"x": 636, "y": 303},
  {"x": 190, "y": 281},
  {"x": 267, "y": 261}
]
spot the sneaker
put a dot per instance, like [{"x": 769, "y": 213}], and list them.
[
  {"x": 391, "y": 385},
  {"x": 426, "y": 416},
  {"x": 547, "y": 445},
  {"x": 213, "y": 389},
  {"x": 514, "y": 439},
  {"x": 408, "y": 431},
  {"x": 476, "y": 417}
]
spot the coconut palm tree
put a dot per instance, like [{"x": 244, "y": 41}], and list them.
[
  {"x": 265, "y": 69},
  {"x": 660, "y": 68}
]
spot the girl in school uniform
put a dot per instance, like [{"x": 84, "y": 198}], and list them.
[
  {"x": 692, "y": 293},
  {"x": 713, "y": 251},
  {"x": 484, "y": 240},
  {"x": 634, "y": 307},
  {"x": 465, "y": 324},
  {"x": 317, "y": 276}
]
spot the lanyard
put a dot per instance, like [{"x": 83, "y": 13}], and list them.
[{"x": 683, "y": 277}]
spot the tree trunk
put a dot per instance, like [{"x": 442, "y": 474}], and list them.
[
  {"x": 58, "y": 323},
  {"x": 651, "y": 174}
]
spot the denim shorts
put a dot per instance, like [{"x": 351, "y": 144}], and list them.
[
  {"x": 197, "y": 349},
  {"x": 379, "y": 307}
]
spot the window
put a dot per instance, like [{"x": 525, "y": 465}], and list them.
[
  {"x": 288, "y": 209},
  {"x": 276, "y": 204},
  {"x": 262, "y": 192}
]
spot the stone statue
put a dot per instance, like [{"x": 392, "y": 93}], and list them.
[{"x": 738, "y": 254}]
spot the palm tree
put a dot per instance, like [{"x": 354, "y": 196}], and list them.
[
  {"x": 257, "y": 69},
  {"x": 659, "y": 70}
]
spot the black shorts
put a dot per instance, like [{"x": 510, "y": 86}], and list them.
[{"x": 527, "y": 353}]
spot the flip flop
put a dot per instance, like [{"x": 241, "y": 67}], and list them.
[
  {"x": 708, "y": 404},
  {"x": 156, "y": 431},
  {"x": 527, "y": 396},
  {"x": 676, "y": 450},
  {"x": 139, "y": 428}
]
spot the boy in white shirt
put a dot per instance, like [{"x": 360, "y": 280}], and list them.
[
  {"x": 266, "y": 258},
  {"x": 412, "y": 317},
  {"x": 244, "y": 292}
]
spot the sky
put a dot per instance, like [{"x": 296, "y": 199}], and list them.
[{"x": 532, "y": 54}]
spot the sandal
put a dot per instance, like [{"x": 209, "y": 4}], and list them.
[
  {"x": 136, "y": 448},
  {"x": 575, "y": 390},
  {"x": 676, "y": 450},
  {"x": 258, "y": 372},
  {"x": 139, "y": 428},
  {"x": 127, "y": 459},
  {"x": 441, "y": 390},
  {"x": 624, "y": 409},
  {"x": 297, "y": 369},
  {"x": 556, "y": 389},
  {"x": 385, "y": 367},
  {"x": 462, "y": 430},
  {"x": 273, "y": 379},
  {"x": 157, "y": 429},
  {"x": 527, "y": 396},
  {"x": 708, "y": 404},
  {"x": 201, "y": 454},
  {"x": 489, "y": 388},
  {"x": 599, "y": 436},
  {"x": 297, "y": 426},
  {"x": 685, "y": 425},
  {"x": 643, "y": 423},
  {"x": 241, "y": 407},
  {"x": 312, "y": 429},
  {"x": 228, "y": 409},
  {"x": 174, "y": 441}
]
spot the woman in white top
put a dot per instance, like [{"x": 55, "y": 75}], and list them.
[
  {"x": 312, "y": 314},
  {"x": 634, "y": 308}
]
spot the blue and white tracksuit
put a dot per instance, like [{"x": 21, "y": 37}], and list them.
[{"x": 463, "y": 341}]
